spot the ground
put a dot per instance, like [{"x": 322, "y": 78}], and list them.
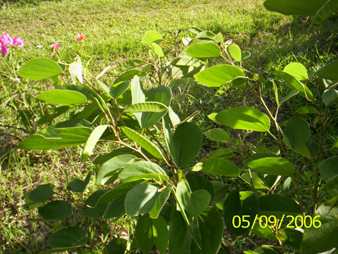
[{"x": 113, "y": 29}]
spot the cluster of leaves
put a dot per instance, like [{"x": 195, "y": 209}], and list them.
[
  {"x": 156, "y": 173},
  {"x": 152, "y": 173}
]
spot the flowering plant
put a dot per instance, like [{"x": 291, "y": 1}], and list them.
[{"x": 6, "y": 41}]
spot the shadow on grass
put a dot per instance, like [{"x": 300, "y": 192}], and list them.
[{"x": 271, "y": 44}]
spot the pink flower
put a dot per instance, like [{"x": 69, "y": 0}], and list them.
[
  {"x": 4, "y": 49},
  {"x": 55, "y": 46},
  {"x": 80, "y": 37},
  {"x": 6, "y": 40},
  {"x": 18, "y": 42}
]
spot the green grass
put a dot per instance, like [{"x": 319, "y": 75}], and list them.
[{"x": 114, "y": 29}]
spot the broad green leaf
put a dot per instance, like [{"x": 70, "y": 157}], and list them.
[
  {"x": 150, "y": 37},
  {"x": 67, "y": 238},
  {"x": 200, "y": 181},
  {"x": 101, "y": 159},
  {"x": 62, "y": 97},
  {"x": 160, "y": 201},
  {"x": 151, "y": 233},
  {"x": 203, "y": 49},
  {"x": 40, "y": 194},
  {"x": 128, "y": 75},
  {"x": 244, "y": 118},
  {"x": 217, "y": 135},
  {"x": 218, "y": 37},
  {"x": 56, "y": 138},
  {"x": 254, "y": 180},
  {"x": 142, "y": 141},
  {"x": 182, "y": 195},
  {"x": 115, "y": 208},
  {"x": 149, "y": 106},
  {"x": 143, "y": 236},
  {"x": 161, "y": 95},
  {"x": 307, "y": 110},
  {"x": 232, "y": 207},
  {"x": 278, "y": 204},
  {"x": 105, "y": 89},
  {"x": 39, "y": 69},
  {"x": 160, "y": 234},
  {"x": 188, "y": 62},
  {"x": 78, "y": 185},
  {"x": 168, "y": 135},
  {"x": 330, "y": 97},
  {"x": 140, "y": 199},
  {"x": 110, "y": 203},
  {"x": 297, "y": 134},
  {"x": 199, "y": 202},
  {"x": 221, "y": 152},
  {"x": 93, "y": 139},
  {"x": 220, "y": 167},
  {"x": 174, "y": 118},
  {"x": 289, "y": 96},
  {"x": 272, "y": 166},
  {"x": 119, "y": 88},
  {"x": 318, "y": 240},
  {"x": 295, "y": 7},
  {"x": 112, "y": 166},
  {"x": 55, "y": 210},
  {"x": 329, "y": 71},
  {"x": 186, "y": 144},
  {"x": 179, "y": 236},
  {"x": 212, "y": 231},
  {"x": 143, "y": 170},
  {"x": 293, "y": 238},
  {"x": 157, "y": 49},
  {"x": 83, "y": 117},
  {"x": 218, "y": 75},
  {"x": 203, "y": 34},
  {"x": 329, "y": 168},
  {"x": 94, "y": 197},
  {"x": 297, "y": 70},
  {"x": 137, "y": 95},
  {"x": 330, "y": 188},
  {"x": 235, "y": 52},
  {"x": 295, "y": 84}
]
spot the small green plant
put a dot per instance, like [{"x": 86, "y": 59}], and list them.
[{"x": 186, "y": 182}]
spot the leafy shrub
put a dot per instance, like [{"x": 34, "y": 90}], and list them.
[{"x": 183, "y": 181}]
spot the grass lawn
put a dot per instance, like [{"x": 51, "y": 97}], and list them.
[{"x": 114, "y": 29}]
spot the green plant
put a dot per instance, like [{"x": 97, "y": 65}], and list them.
[{"x": 156, "y": 173}]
